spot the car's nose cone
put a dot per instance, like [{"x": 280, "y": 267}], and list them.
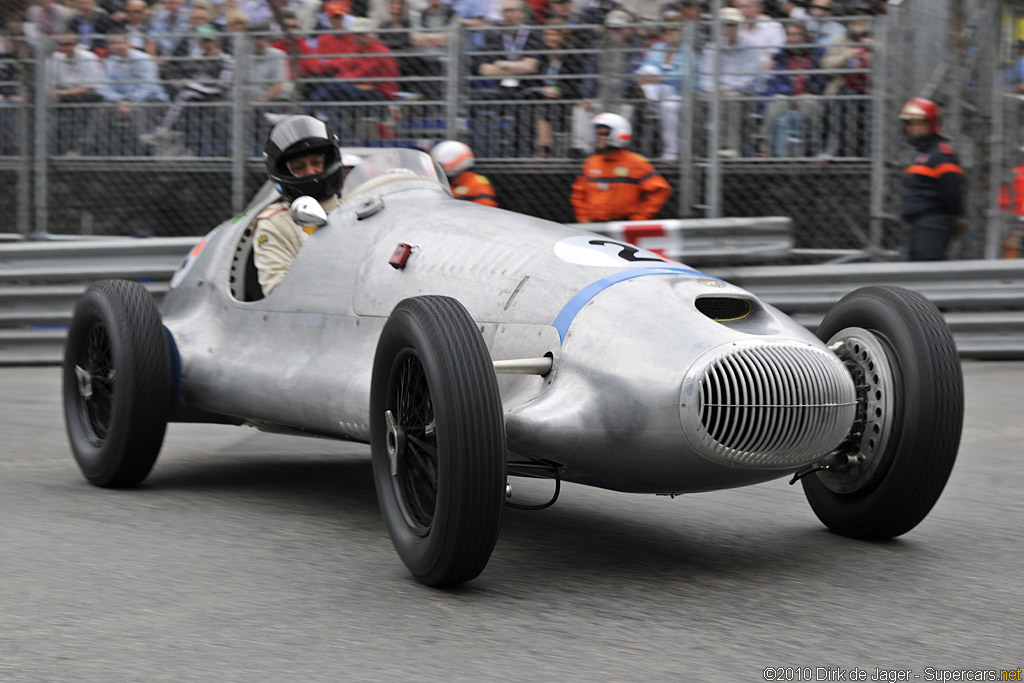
[{"x": 767, "y": 405}]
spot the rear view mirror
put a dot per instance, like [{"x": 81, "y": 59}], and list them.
[{"x": 307, "y": 211}]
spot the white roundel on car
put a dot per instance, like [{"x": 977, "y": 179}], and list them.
[{"x": 594, "y": 250}]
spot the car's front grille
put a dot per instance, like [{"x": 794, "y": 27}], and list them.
[{"x": 774, "y": 406}]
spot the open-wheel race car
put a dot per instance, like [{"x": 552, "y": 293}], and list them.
[{"x": 467, "y": 344}]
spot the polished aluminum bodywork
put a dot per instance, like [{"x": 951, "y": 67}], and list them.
[{"x": 645, "y": 393}]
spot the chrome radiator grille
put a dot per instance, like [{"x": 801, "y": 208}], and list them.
[{"x": 773, "y": 406}]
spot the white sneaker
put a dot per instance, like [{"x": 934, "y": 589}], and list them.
[{"x": 728, "y": 153}]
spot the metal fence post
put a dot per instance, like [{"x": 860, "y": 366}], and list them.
[
  {"x": 24, "y": 168},
  {"x": 997, "y": 135},
  {"x": 41, "y": 160},
  {"x": 453, "y": 80},
  {"x": 713, "y": 200},
  {"x": 239, "y": 121},
  {"x": 688, "y": 101},
  {"x": 879, "y": 120}
]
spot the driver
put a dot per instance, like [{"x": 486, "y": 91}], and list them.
[{"x": 302, "y": 159}]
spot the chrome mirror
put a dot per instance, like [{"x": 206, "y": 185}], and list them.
[{"x": 307, "y": 211}]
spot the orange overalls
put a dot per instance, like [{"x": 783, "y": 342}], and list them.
[
  {"x": 475, "y": 188},
  {"x": 621, "y": 186}
]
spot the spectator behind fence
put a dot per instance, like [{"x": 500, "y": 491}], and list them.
[
  {"x": 506, "y": 58},
  {"x": 132, "y": 75},
  {"x": 820, "y": 25},
  {"x": 759, "y": 31},
  {"x": 14, "y": 70},
  {"x": 933, "y": 184},
  {"x": 397, "y": 37},
  {"x": 792, "y": 9},
  {"x": 167, "y": 27},
  {"x": 77, "y": 76},
  {"x": 848, "y": 120},
  {"x": 1015, "y": 72},
  {"x": 337, "y": 15},
  {"x": 75, "y": 72},
  {"x": 617, "y": 184},
  {"x": 91, "y": 23},
  {"x": 182, "y": 61},
  {"x": 793, "y": 121},
  {"x": 265, "y": 74},
  {"x": 137, "y": 27},
  {"x": 457, "y": 158},
  {"x": 512, "y": 53},
  {"x": 46, "y": 18},
  {"x": 132, "y": 81},
  {"x": 739, "y": 76},
  {"x": 431, "y": 36},
  {"x": 556, "y": 94},
  {"x": 619, "y": 55},
  {"x": 674, "y": 63},
  {"x": 370, "y": 59},
  {"x": 233, "y": 21},
  {"x": 291, "y": 43},
  {"x": 210, "y": 77},
  {"x": 477, "y": 13},
  {"x": 329, "y": 46}
]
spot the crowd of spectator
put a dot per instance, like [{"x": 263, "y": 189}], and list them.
[{"x": 533, "y": 71}]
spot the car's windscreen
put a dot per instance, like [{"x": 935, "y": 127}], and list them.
[{"x": 395, "y": 162}]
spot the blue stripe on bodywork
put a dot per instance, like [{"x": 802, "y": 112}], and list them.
[{"x": 568, "y": 313}]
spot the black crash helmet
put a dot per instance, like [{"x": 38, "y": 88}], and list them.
[{"x": 292, "y": 137}]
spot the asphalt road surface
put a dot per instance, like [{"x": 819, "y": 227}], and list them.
[{"x": 252, "y": 557}]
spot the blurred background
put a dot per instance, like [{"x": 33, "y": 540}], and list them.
[{"x": 129, "y": 117}]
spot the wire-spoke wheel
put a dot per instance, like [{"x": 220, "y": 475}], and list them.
[
  {"x": 438, "y": 440},
  {"x": 117, "y": 383}
]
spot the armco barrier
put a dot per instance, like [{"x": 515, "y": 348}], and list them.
[
  {"x": 983, "y": 301},
  {"x": 706, "y": 240}
]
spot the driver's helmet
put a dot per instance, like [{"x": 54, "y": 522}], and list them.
[
  {"x": 922, "y": 109},
  {"x": 292, "y": 137},
  {"x": 619, "y": 131},
  {"x": 455, "y": 157}
]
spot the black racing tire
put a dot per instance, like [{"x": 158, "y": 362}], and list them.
[
  {"x": 118, "y": 383},
  {"x": 440, "y": 465},
  {"x": 925, "y": 415}
]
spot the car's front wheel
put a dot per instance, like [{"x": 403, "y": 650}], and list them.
[
  {"x": 438, "y": 440},
  {"x": 892, "y": 468},
  {"x": 117, "y": 383}
]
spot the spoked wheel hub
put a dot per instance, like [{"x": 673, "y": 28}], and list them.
[
  {"x": 860, "y": 455},
  {"x": 411, "y": 440},
  {"x": 94, "y": 373}
]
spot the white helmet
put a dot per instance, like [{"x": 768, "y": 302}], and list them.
[
  {"x": 455, "y": 157},
  {"x": 620, "y": 132}
]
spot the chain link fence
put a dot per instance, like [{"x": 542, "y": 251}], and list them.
[{"x": 809, "y": 131}]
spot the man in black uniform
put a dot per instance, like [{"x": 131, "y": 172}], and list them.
[{"x": 933, "y": 184}]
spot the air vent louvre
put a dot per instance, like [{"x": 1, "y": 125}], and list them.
[{"x": 723, "y": 308}]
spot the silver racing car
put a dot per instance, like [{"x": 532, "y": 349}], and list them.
[{"x": 467, "y": 344}]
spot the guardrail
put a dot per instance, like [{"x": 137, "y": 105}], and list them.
[
  {"x": 983, "y": 301},
  {"x": 703, "y": 241}
]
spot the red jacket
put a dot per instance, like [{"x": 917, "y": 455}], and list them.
[
  {"x": 622, "y": 186},
  {"x": 308, "y": 65}
]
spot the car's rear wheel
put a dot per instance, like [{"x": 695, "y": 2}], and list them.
[
  {"x": 118, "y": 383},
  {"x": 438, "y": 440},
  {"x": 895, "y": 464}
]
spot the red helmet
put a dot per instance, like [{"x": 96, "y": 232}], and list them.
[{"x": 920, "y": 108}]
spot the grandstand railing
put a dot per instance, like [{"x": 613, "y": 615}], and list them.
[{"x": 830, "y": 158}]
